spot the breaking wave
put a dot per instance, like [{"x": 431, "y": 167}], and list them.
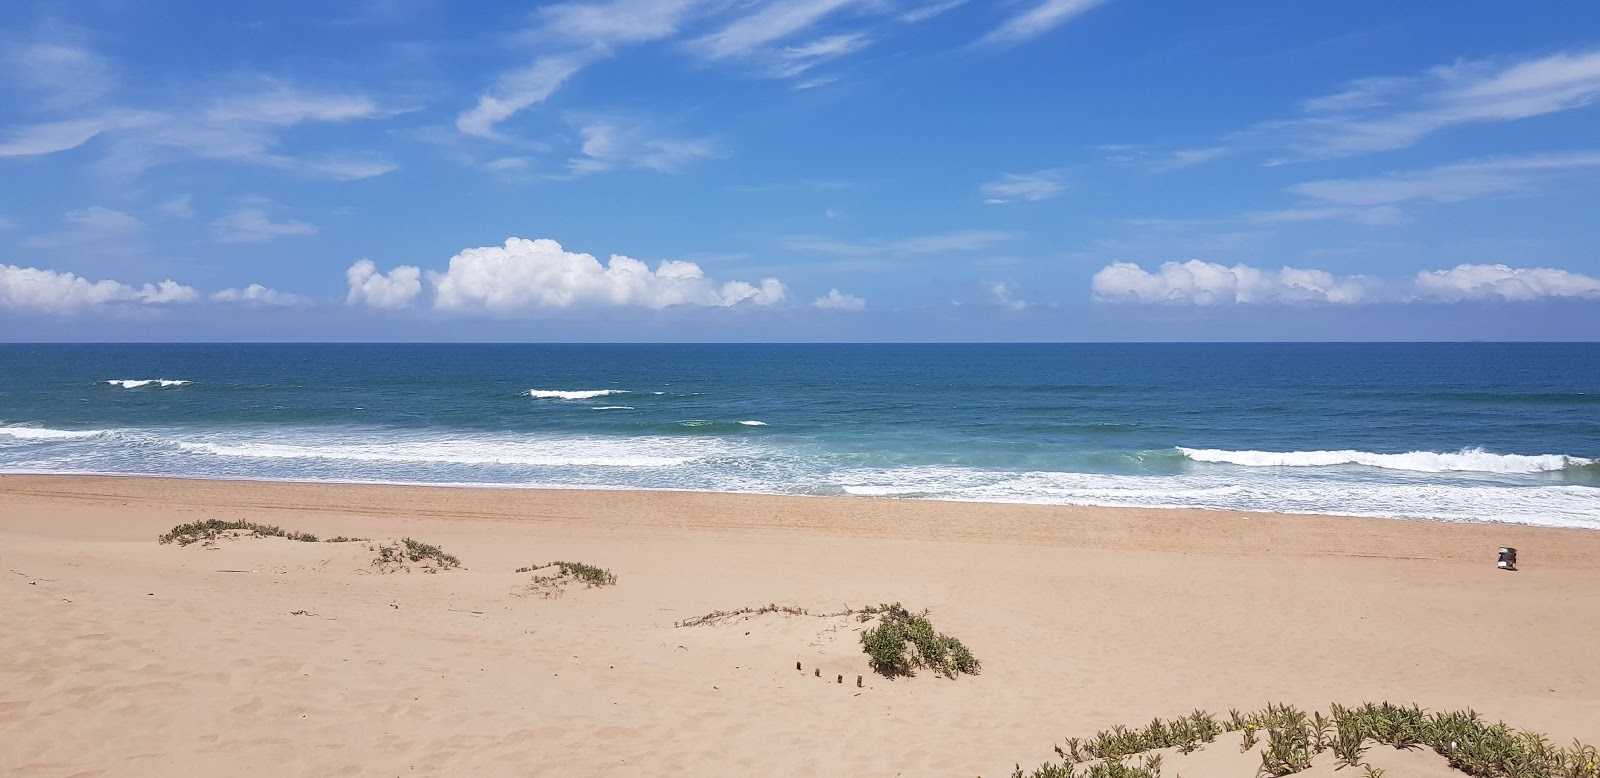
[
  {"x": 580, "y": 394},
  {"x": 1474, "y": 460},
  {"x": 135, "y": 383}
]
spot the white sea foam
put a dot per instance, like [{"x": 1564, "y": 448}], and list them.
[
  {"x": 1466, "y": 460},
  {"x": 470, "y": 452},
  {"x": 613, "y": 407},
  {"x": 580, "y": 394},
  {"x": 43, "y": 433},
  {"x": 135, "y": 383},
  {"x": 753, "y": 423}
]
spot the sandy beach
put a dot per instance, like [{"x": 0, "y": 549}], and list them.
[{"x": 264, "y": 656}]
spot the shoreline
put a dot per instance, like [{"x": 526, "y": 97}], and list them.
[{"x": 1155, "y": 529}]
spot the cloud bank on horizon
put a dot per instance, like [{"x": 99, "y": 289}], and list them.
[{"x": 997, "y": 170}]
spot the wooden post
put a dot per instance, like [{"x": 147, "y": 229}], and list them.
[
  {"x": 841, "y": 679},
  {"x": 858, "y": 682},
  {"x": 797, "y": 665},
  {"x": 819, "y": 672}
]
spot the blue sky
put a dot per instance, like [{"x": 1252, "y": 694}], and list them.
[{"x": 810, "y": 170}]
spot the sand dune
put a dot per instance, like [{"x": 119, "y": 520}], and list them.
[{"x": 129, "y": 658}]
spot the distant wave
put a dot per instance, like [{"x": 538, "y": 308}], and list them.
[
  {"x": 135, "y": 383},
  {"x": 753, "y": 423},
  {"x": 1466, "y": 460},
  {"x": 613, "y": 407},
  {"x": 580, "y": 394}
]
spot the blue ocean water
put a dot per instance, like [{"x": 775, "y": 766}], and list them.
[{"x": 1458, "y": 432}]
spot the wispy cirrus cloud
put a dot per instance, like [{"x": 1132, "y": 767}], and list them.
[
  {"x": 1022, "y": 187},
  {"x": 944, "y": 243},
  {"x": 255, "y": 225},
  {"x": 616, "y": 145},
  {"x": 1394, "y": 112},
  {"x": 1380, "y": 200},
  {"x": 1038, "y": 19},
  {"x": 1202, "y": 283},
  {"x": 246, "y": 127}
]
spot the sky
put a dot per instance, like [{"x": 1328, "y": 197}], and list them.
[{"x": 799, "y": 170}]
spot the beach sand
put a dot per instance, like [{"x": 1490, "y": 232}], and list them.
[{"x": 263, "y": 656}]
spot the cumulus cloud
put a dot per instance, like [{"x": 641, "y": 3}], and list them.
[
  {"x": 1022, "y": 187},
  {"x": 392, "y": 290},
  {"x": 1206, "y": 283},
  {"x": 839, "y": 301},
  {"x": 532, "y": 274},
  {"x": 47, "y": 291},
  {"x": 258, "y": 294},
  {"x": 253, "y": 225},
  {"x": 1499, "y": 282}
]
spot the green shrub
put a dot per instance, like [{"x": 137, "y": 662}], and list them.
[
  {"x": 211, "y": 529},
  {"x": 1468, "y": 743},
  {"x": 589, "y": 574},
  {"x": 903, "y": 642},
  {"x": 417, "y": 551}
]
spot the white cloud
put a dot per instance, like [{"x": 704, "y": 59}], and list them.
[
  {"x": 520, "y": 89},
  {"x": 1206, "y": 283},
  {"x": 615, "y": 21},
  {"x": 1023, "y": 187},
  {"x": 839, "y": 301},
  {"x": 1388, "y": 113},
  {"x": 256, "y": 293},
  {"x": 68, "y": 73},
  {"x": 104, "y": 220},
  {"x": 946, "y": 243},
  {"x": 1038, "y": 20},
  {"x": 392, "y": 290},
  {"x": 1448, "y": 183},
  {"x": 791, "y": 61},
  {"x": 47, "y": 291},
  {"x": 179, "y": 207},
  {"x": 51, "y": 137},
  {"x": 930, "y": 10},
  {"x": 612, "y": 146},
  {"x": 244, "y": 126},
  {"x": 253, "y": 225},
  {"x": 525, "y": 274},
  {"x": 95, "y": 227},
  {"x": 1006, "y": 295},
  {"x": 1499, "y": 282},
  {"x": 777, "y": 19}
]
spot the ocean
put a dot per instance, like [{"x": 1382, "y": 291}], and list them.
[{"x": 1451, "y": 432}]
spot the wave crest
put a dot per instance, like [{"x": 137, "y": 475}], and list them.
[
  {"x": 135, "y": 383},
  {"x": 579, "y": 394},
  {"x": 1466, "y": 460}
]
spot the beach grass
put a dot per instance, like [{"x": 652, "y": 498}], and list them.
[
  {"x": 590, "y": 575},
  {"x": 211, "y": 529},
  {"x": 1468, "y": 742}
]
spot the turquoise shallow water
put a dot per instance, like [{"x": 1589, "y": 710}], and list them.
[{"x": 1464, "y": 432}]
